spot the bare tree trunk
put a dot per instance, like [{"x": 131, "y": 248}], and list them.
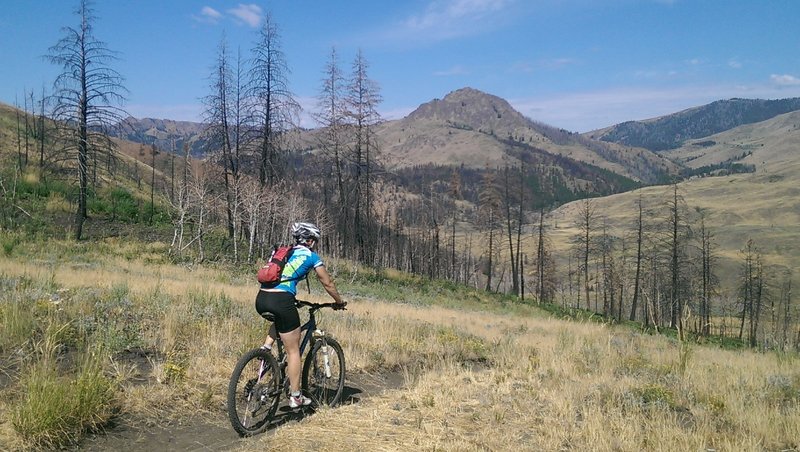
[
  {"x": 509, "y": 229},
  {"x": 747, "y": 288},
  {"x": 757, "y": 302},
  {"x": 787, "y": 299},
  {"x": 153, "y": 152},
  {"x": 27, "y": 126},
  {"x": 84, "y": 89},
  {"x": 274, "y": 103},
  {"x": 363, "y": 97},
  {"x": 586, "y": 217},
  {"x": 637, "y": 278},
  {"x": 42, "y": 131},
  {"x": 491, "y": 252},
  {"x": 20, "y": 161},
  {"x": 520, "y": 222}
]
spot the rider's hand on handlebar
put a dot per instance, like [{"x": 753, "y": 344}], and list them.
[{"x": 339, "y": 306}]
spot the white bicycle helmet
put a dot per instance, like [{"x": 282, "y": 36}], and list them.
[{"x": 305, "y": 231}]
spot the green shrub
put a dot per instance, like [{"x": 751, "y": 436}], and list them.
[
  {"x": 654, "y": 396},
  {"x": 33, "y": 187},
  {"x": 9, "y": 243},
  {"x": 27, "y": 188},
  {"x": 116, "y": 323},
  {"x": 120, "y": 204}
]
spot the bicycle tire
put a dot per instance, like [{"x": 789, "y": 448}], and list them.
[
  {"x": 253, "y": 392},
  {"x": 324, "y": 390}
]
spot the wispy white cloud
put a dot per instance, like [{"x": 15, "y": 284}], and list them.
[
  {"x": 587, "y": 111},
  {"x": 784, "y": 80},
  {"x": 735, "y": 63},
  {"x": 247, "y": 14},
  {"x": 250, "y": 14},
  {"x": 447, "y": 13},
  {"x": 211, "y": 13},
  {"x": 207, "y": 15},
  {"x": 448, "y": 19}
]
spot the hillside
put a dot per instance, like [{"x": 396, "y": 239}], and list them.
[
  {"x": 763, "y": 205},
  {"x": 767, "y": 146},
  {"x": 671, "y": 131},
  {"x": 467, "y": 127},
  {"x": 121, "y": 201},
  {"x": 477, "y": 129},
  {"x": 471, "y": 136},
  {"x": 166, "y": 134}
]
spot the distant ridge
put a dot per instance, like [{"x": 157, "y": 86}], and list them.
[
  {"x": 473, "y": 128},
  {"x": 671, "y": 131},
  {"x": 166, "y": 134}
]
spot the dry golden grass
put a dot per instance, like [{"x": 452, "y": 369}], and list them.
[
  {"x": 764, "y": 206},
  {"x": 474, "y": 380},
  {"x": 557, "y": 385},
  {"x": 768, "y": 145}
]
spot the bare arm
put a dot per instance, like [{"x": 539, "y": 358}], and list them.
[{"x": 328, "y": 284}]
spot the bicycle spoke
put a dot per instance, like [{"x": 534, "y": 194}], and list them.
[
  {"x": 323, "y": 373},
  {"x": 252, "y": 394}
]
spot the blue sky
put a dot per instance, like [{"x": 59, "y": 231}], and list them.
[{"x": 576, "y": 64}]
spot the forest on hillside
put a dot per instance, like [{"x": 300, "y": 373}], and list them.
[{"x": 671, "y": 131}]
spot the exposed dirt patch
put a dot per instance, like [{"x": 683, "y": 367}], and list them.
[
  {"x": 140, "y": 362},
  {"x": 211, "y": 431},
  {"x": 192, "y": 434}
]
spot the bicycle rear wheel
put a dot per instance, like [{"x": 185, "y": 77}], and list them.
[
  {"x": 324, "y": 372},
  {"x": 253, "y": 392}
]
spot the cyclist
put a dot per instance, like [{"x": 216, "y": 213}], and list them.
[{"x": 280, "y": 301}]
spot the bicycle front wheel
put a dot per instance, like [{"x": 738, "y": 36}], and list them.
[
  {"x": 323, "y": 372},
  {"x": 253, "y": 392}
]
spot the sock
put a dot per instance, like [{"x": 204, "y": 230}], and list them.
[
  {"x": 295, "y": 393},
  {"x": 266, "y": 347}
]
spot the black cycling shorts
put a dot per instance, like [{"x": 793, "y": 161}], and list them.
[{"x": 281, "y": 304}]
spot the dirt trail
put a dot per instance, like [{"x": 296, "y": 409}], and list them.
[{"x": 211, "y": 431}]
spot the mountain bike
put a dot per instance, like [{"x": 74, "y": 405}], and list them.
[{"x": 259, "y": 378}]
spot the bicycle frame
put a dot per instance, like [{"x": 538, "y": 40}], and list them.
[{"x": 308, "y": 330}]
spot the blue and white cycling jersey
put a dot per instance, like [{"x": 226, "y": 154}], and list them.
[{"x": 303, "y": 260}]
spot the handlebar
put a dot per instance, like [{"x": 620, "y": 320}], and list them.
[{"x": 317, "y": 306}]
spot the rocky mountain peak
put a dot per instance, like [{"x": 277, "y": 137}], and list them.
[{"x": 468, "y": 107}]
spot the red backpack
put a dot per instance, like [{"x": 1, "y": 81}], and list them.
[{"x": 270, "y": 274}]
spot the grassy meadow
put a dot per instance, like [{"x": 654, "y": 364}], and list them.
[
  {"x": 763, "y": 206},
  {"x": 96, "y": 332}
]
